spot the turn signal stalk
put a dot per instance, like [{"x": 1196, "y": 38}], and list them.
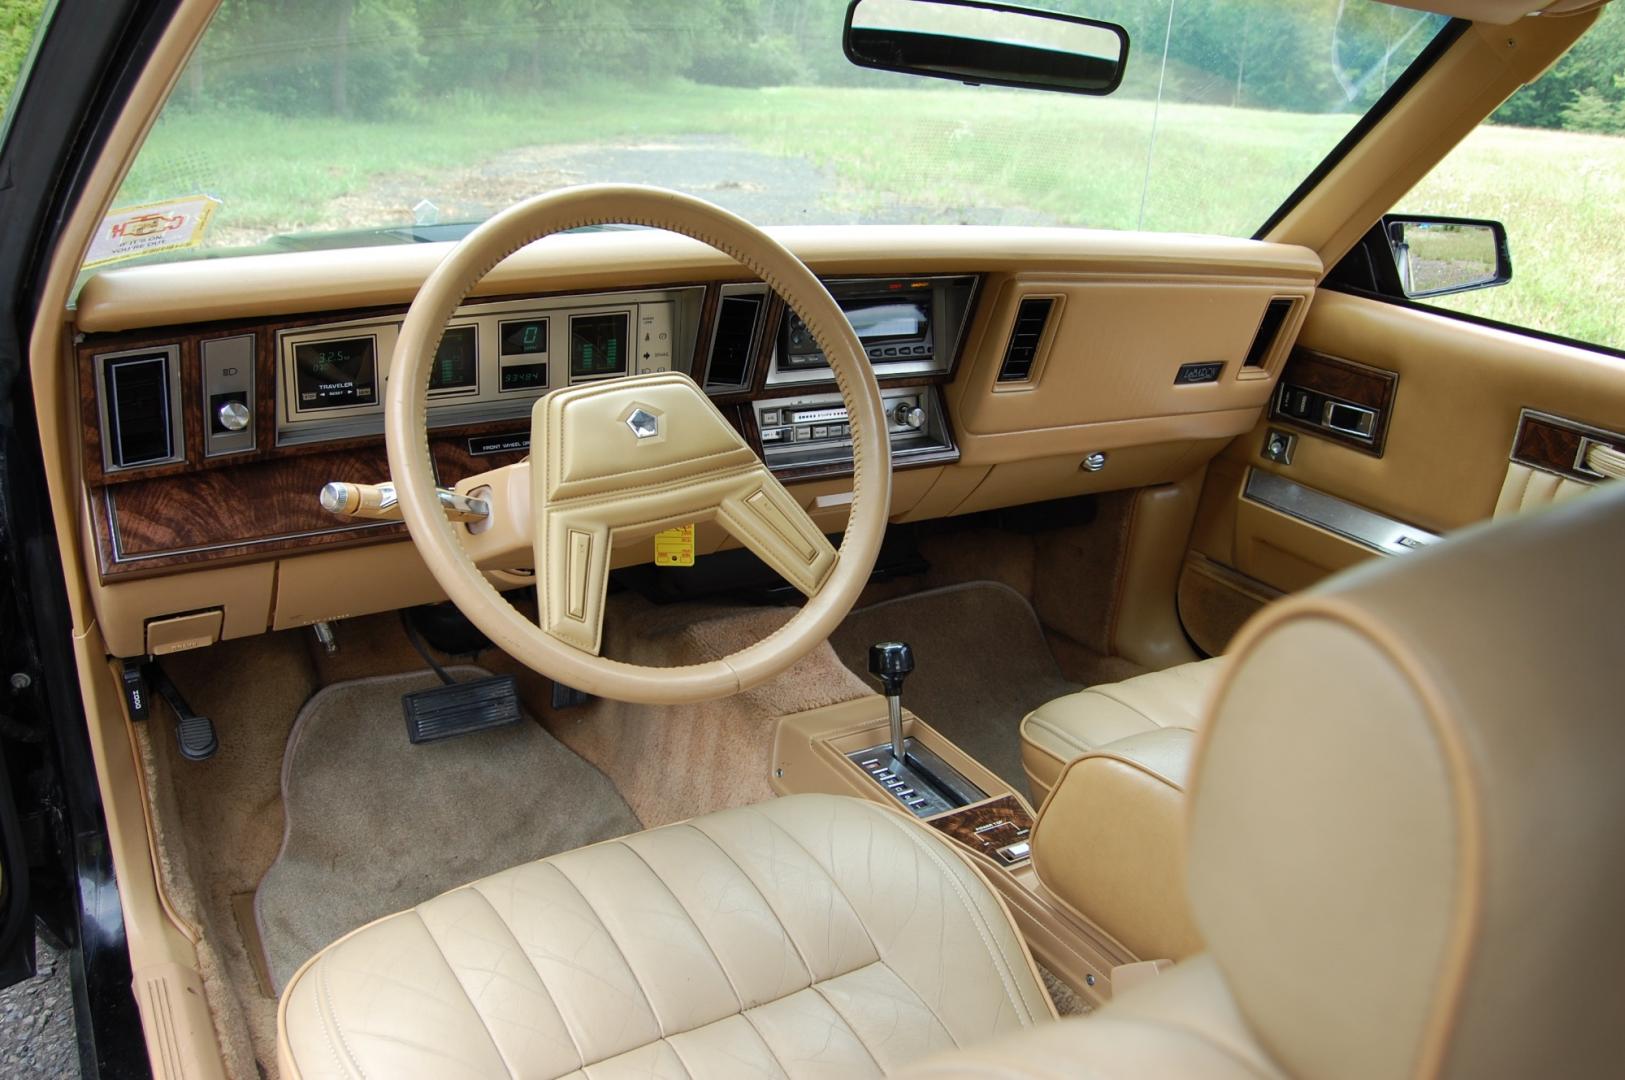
[{"x": 377, "y": 502}]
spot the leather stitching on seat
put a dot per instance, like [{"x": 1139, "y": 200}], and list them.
[
  {"x": 772, "y": 1053},
  {"x": 768, "y": 904},
  {"x": 329, "y": 1022},
  {"x": 1023, "y": 1009},
  {"x": 625, "y": 959},
  {"x": 1063, "y": 736},
  {"x": 817, "y": 988},
  {"x": 581, "y": 1055},
  {"x": 833, "y": 884},
  {"x": 699, "y": 932},
  {"x": 457, "y": 978},
  {"x": 812, "y": 976}
]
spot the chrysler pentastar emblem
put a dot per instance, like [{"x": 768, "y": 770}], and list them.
[{"x": 643, "y": 424}]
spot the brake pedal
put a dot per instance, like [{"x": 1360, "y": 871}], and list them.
[
  {"x": 443, "y": 712},
  {"x": 194, "y": 731}
]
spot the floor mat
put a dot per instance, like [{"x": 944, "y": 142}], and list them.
[
  {"x": 375, "y": 824},
  {"x": 981, "y": 664}
]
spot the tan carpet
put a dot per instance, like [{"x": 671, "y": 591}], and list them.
[
  {"x": 981, "y": 664},
  {"x": 220, "y": 820},
  {"x": 376, "y": 824},
  {"x": 719, "y": 753}
]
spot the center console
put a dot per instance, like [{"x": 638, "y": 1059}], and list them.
[{"x": 873, "y": 748}]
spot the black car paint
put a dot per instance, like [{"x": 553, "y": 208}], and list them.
[{"x": 86, "y": 62}]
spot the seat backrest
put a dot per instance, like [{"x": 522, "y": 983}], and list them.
[{"x": 1407, "y": 823}]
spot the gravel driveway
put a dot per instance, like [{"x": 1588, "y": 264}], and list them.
[{"x": 36, "y": 1023}]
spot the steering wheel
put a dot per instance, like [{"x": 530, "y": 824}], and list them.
[{"x": 615, "y": 462}]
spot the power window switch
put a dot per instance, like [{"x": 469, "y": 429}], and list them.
[{"x": 1296, "y": 403}]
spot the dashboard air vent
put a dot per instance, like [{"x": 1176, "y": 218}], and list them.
[
  {"x": 1019, "y": 355},
  {"x": 734, "y": 342},
  {"x": 141, "y": 408},
  {"x": 1269, "y": 330}
]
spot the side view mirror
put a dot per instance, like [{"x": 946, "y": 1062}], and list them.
[
  {"x": 1437, "y": 256},
  {"x": 979, "y": 43}
]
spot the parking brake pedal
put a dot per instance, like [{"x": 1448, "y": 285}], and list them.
[
  {"x": 461, "y": 708},
  {"x": 194, "y": 732}
]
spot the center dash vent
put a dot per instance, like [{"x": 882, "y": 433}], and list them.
[{"x": 1031, "y": 318}]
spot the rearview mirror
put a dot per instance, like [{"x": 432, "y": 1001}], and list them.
[
  {"x": 1437, "y": 256},
  {"x": 987, "y": 43}
]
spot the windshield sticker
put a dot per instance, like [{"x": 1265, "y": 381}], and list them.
[{"x": 131, "y": 231}]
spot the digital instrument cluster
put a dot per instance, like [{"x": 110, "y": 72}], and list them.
[{"x": 491, "y": 363}]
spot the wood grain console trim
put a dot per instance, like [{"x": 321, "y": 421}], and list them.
[
  {"x": 1002, "y": 821},
  {"x": 1358, "y": 384}
]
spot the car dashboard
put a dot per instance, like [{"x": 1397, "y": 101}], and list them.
[{"x": 217, "y": 397}]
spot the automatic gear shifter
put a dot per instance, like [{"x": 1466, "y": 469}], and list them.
[{"x": 891, "y": 662}]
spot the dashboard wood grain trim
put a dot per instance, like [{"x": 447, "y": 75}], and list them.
[{"x": 254, "y": 511}]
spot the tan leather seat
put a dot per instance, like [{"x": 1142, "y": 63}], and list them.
[
  {"x": 1062, "y": 730},
  {"x": 1404, "y": 831},
  {"x": 812, "y": 935}
]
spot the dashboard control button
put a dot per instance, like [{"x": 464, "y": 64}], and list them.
[
  {"x": 770, "y": 417},
  {"x": 909, "y": 415},
  {"x": 820, "y": 432},
  {"x": 234, "y": 416}
]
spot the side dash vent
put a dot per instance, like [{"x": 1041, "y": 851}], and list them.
[
  {"x": 1269, "y": 332},
  {"x": 1019, "y": 356},
  {"x": 140, "y": 403}
]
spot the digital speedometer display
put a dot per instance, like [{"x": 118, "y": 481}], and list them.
[{"x": 336, "y": 374}]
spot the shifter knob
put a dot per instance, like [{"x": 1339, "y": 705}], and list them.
[{"x": 891, "y": 662}]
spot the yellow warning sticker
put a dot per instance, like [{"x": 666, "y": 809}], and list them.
[
  {"x": 675, "y": 547},
  {"x": 132, "y": 231}
]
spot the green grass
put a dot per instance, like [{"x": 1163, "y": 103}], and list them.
[
  {"x": 1561, "y": 196},
  {"x": 938, "y": 154}
]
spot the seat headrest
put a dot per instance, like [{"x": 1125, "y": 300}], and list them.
[{"x": 1407, "y": 823}]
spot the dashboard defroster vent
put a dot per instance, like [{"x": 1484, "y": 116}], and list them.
[{"x": 1032, "y": 316}]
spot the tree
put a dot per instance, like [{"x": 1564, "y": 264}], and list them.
[{"x": 18, "y": 20}]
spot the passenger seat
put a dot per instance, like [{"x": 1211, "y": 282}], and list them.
[
  {"x": 1109, "y": 841},
  {"x": 1059, "y": 731}
]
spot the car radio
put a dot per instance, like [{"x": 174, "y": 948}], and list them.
[{"x": 814, "y": 429}]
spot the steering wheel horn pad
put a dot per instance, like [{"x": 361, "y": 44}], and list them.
[{"x": 631, "y": 457}]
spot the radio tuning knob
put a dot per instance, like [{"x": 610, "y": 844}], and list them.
[
  {"x": 909, "y": 415},
  {"x": 234, "y": 416}
]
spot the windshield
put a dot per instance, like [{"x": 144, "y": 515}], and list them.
[{"x": 325, "y": 123}]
